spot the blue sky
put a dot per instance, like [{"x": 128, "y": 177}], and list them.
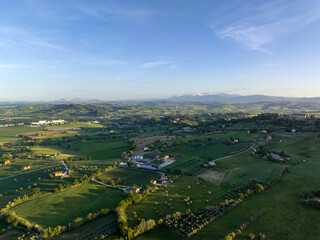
[{"x": 130, "y": 49}]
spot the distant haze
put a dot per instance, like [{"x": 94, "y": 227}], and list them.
[{"x": 118, "y": 50}]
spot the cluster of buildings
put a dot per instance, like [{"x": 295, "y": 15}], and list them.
[
  {"x": 50, "y": 122},
  {"x": 62, "y": 174},
  {"x": 298, "y": 117},
  {"x": 150, "y": 164},
  {"x": 163, "y": 180}
]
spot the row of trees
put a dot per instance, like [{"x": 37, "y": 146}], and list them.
[
  {"x": 189, "y": 223},
  {"x": 126, "y": 231},
  {"x": 76, "y": 223},
  {"x": 312, "y": 198},
  {"x": 244, "y": 225}
]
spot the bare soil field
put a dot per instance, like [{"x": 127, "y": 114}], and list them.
[
  {"x": 144, "y": 142},
  {"x": 48, "y": 134},
  {"x": 213, "y": 176}
]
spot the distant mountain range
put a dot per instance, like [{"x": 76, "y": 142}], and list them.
[
  {"x": 233, "y": 98},
  {"x": 200, "y": 98}
]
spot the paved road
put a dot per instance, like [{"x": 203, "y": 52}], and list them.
[
  {"x": 218, "y": 159},
  {"x": 123, "y": 188}
]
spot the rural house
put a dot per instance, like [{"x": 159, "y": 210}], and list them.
[{"x": 134, "y": 189}]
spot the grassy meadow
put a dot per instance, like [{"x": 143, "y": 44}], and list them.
[
  {"x": 286, "y": 217},
  {"x": 129, "y": 176},
  {"x": 101, "y": 150},
  {"x": 61, "y": 208},
  {"x": 9, "y": 134}
]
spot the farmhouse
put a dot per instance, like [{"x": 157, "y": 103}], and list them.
[
  {"x": 165, "y": 158},
  {"x": 212, "y": 164},
  {"x": 95, "y": 122},
  {"x": 58, "y": 122},
  {"x": 188, "y": 129},
  {"x": 153, "y": 181},
  {"x": 163, "y": 177},
  {"x": 276, "y": 156},
  {"x": 268, "y": 138},
  {"x": 163, "y": 182},
  {"x": 134, "y": 189},
  {"x": 58, "y": 174},
  {"x": 7, "y": 162}
]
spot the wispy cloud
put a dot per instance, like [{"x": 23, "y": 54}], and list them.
[
  {"x": 14, "y": 37},
  {"x": 14, "y": 66},
  {"x": 265, "y": 24},
  {"x": 107, "y": 10},
  {"x": 97, "y": 61},
  {"x": 154, "y": 64}
]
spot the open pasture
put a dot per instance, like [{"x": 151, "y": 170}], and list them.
[
  {"x": 129, "y": 176},
  {"x": 10, "y": 134},
  {"x": 20, "y": 184},
  {"x": 75, "y": 125},
  {"x": 194, "y": 155},
  {"x": 61, "y": 208},
  {"x": 171, "y": 198},
  {"x": 286, "y": 217},
  {"x": 98, "y": 226},
  {"x": 52, "y": 134},
  {"x": 17, "y": 166},
  {"x": 101, "y": 150},
  {"x": 48, "y": 150}
]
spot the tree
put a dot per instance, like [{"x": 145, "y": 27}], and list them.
[
  {"x": 35, "y": 191},
  {"x": 262, "y": 236},
  {"x": 251, "y": 236},
  {"x": 258, "y": 188},
  {"x": 130, "y": 194}
]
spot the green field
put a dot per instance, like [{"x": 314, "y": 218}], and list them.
[
  {"x": 171, "y": 199},
  {"x": 61, "y": 208},
  {"x": 101, "y": 150},
  {"x": 17, "y": 165},
  {"x": 129, "y": 176},
  {"x": 192, "y": 156},
  {"x": 286, "y": 217},
  {"x": 9, "y": 134},
  {"x": 75, "y": 125},
  {"x": 20, "y": 184},
  {"x": 63, "y": 153},
  {"x": 89, "y": 229}
]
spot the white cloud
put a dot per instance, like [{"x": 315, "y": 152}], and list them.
[
  {"x": 154, "y": 64},
  {"x": 265, "y": 24}
]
